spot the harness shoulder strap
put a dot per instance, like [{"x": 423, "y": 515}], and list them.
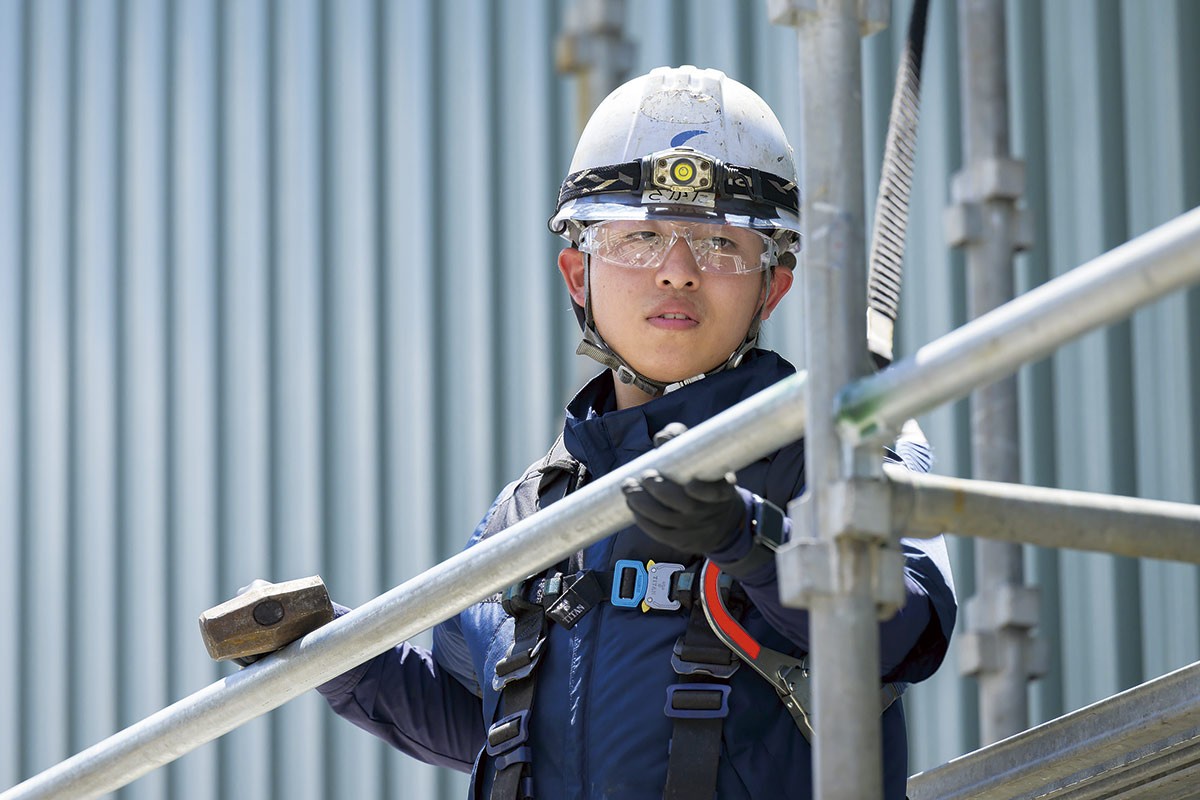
[
  {"x": 698, "y": 705},
  {"x": 543, "y": 482},
  {"x": 507, "y": 738}
]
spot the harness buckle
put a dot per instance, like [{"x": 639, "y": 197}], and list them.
[
  {"x": 628, "y": 591},
  {"x": 520, "y": 658},
  {"x": 658, "y": 589},
  {"x": 713, "y": 669},
  {"x": 697, "y": 701},
  {"x": 508, "y": 733},
  {"x": 517, "y": 665}
]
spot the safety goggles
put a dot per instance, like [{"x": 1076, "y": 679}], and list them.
[{"x": 644, "y": 244}]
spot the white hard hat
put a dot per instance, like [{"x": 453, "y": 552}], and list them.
[{"x": 682, "y": 142}]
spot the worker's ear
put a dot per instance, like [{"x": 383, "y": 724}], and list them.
[
  {"x": 781, "y": 282},
  {"x": 570, "y": 264}
]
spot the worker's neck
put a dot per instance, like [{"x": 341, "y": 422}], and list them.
[{"x": 629, "y": 395}]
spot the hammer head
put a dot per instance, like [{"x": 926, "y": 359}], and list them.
[{"x": 265, "y": 618}]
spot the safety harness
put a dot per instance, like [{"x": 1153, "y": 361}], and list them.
[{"x": 704, "y": 658}]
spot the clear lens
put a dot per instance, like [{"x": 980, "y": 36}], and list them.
[
  {"x": 722, "y": 249},
  {"x": 584, "y": 211}
]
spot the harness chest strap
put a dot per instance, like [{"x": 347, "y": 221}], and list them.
[{"x": 650, "y": 586}]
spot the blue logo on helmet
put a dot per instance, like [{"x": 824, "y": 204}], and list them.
[{"x": 679, "y": 138}]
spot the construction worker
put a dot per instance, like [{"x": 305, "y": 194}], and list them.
[{"x": 602, "y": 677}]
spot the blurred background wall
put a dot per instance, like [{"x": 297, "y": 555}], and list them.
[{"x": 277, "y": 299}]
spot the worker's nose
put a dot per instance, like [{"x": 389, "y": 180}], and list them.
[{"x": 679, "y": 269}]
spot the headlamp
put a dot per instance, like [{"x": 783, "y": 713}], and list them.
[
  {"x": 683, "y": 176},
  {"x": 682, "y": 170}
]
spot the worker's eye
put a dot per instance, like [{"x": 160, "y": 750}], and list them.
[
  {"x": 635, "y": 247},
  {"x": 640, "y": 237},
  {"x": 719, "y": 244}
]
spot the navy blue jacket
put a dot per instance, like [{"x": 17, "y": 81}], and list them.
[{"x": 597, "y": 727}]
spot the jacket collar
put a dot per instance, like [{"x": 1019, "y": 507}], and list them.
[{"x": 603, "y": 438}]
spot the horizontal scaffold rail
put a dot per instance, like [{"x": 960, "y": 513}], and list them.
[
  {"x": 928, "y": 505},
  {"x": 757, "y": 427}
]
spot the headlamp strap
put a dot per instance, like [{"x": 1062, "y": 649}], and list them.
[{"x": 654, "y": 171}]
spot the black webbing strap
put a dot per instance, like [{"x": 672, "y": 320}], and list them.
[
  {"x": 507, "y": 744},
  {"x": 698, "y": 705},
  {"x": 732, "y": 181},
  {"x": 508, "y": 737}
]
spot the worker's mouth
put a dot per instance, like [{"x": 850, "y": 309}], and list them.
[{"x": 673, "y": 320}]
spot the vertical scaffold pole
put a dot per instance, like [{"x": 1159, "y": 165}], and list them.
[
  {"x": 985, "y": 221},
  {"x": 593, "y": 47},
  {"x": 834, "y": 565}
]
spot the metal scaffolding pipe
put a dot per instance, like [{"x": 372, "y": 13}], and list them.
[
  {"x": 927, "y": 505},
  {"x": 1127, "y": 745},
  {"x": 729, "y": 441},
  {"x": 844, "y": 619},
  {"x": 594, "y": 48},
  {"x": 985, "y": 194},
  {"x": 1106, "y": 289}
]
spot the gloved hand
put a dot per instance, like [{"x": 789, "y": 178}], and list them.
[{"x": 697, "y": 517}]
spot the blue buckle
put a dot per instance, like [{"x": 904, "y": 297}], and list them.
[
  {"x": 639, "y": 585},
  {"x": 507, "y": 733},
  {"x": 694, "y": 701}
]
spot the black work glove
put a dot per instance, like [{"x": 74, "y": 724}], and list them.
[{"x": 697, "y": 517}]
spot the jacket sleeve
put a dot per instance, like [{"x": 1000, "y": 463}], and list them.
[
  {"x": 914, "y": 642},
  {"x": 405, "y": 698},
  {"x": 425, "y": 706}
]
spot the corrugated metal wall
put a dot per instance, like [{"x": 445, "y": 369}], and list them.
[
  {"x": 1106, "y": 113},
  {"x": 276, "y": 299}
]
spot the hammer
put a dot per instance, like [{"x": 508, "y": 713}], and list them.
[{"x": 265, "y": 617}]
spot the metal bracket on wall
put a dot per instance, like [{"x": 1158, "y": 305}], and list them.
[{"x": 983, "y": 181}]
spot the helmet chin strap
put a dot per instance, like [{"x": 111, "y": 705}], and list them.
[{"x": 593, "y": 345}]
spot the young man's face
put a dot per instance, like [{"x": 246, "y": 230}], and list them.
[{"x": 673, "y": 321}]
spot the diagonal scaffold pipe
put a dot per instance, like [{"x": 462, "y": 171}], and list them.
[{"x": 1104, "y": 290}]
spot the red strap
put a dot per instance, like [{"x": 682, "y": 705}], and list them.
[{"x": 720, "y": 616}]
